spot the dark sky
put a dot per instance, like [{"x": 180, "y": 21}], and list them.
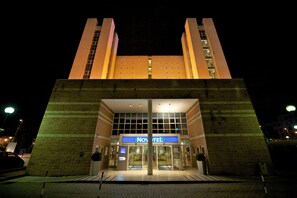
[{"x": 38, "y": 45}]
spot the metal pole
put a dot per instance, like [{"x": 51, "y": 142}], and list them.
[
  {"x": 150, "y": 140},
  {"x": 43, "y": 186}
]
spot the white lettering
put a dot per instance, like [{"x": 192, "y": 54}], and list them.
[{"x": 141, "y": 139}]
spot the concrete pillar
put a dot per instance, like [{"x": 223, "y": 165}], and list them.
[{"x": 150, "y": 140}]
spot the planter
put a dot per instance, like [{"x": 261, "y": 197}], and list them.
[
  {"x": 201, "y": 164},
  {"x": 96, "y": 162},
  {"x": 96, "y": 167}
]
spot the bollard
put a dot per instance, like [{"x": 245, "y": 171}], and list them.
[
  {"x": 43, "y": 186},
  {"x": 100, "y": 182},
  {"x": 264, "y": 185}
]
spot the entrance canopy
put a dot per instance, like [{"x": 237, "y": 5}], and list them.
[{"x": 141, "y": 105}]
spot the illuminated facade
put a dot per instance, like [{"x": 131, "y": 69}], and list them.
[{"x": 149, "y": 112}]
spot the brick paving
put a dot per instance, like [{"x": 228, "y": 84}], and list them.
[{"x": 139, "y": 184}]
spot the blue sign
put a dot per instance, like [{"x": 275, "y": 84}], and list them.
[
  {"x": 123, "y": 150},
  {"x": 156, "y": 139}
]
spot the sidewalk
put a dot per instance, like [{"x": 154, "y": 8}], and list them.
[{"x": 139, "y": 176}]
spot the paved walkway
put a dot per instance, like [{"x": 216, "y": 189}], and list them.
[
  {"x": 137, "y": 184},
  {"x": 139, "y": 176}
]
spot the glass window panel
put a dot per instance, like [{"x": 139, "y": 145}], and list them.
[
  {"x": 160, "y": 120},
  {"x": 144, "y": 126},
  {"x": 144, "y": 120},
  {"x": 139, "y": 131},
  {"x": 115, "y": 126},
  {"x": 166, "y": 120},
  {"x": 139, "y": 126},
  {"x": 160, "y": 126},
  {"x": 116, "y": 115},
  {"x": 172, "y": 126},
  {"x": 114, "y": 132},
  {"x": 133, "y": 126}
]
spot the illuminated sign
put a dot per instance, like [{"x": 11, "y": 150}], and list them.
[
  {"x": 123, "y": 150},
  {"x": 122, "y": 158},
  {"x": 156, "y": 139}
]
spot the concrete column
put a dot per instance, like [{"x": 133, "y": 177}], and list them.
[{"x": 150, "y": 140}]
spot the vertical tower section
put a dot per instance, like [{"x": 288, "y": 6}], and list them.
[
  {"x": 194, "y": 52},
  {"x": 216, "y": 61},
  {"x": 96, "y": 53},
  {"x": 202, "y": 51}
]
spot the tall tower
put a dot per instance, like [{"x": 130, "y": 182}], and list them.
[
  {"x": 96, "y": 51},
  {"x": 203, "y": 57}
]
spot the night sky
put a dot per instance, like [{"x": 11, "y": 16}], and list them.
[{"x": 39, "y": 42}]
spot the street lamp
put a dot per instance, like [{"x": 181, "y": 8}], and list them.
[
  {"x": 7, "y": 110},
  {"x": 290, "y": 108}
]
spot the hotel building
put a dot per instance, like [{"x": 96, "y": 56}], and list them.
[{"x": 149, "y": 112}]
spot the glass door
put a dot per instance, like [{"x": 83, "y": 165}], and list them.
[
  {"x": 135, "y": 158},
  {"x": 113, "y": 157},
  {"x": 164, "y": 158},
  {"x": 145, "y": 157}
]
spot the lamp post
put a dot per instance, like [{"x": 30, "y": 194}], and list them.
[
  {"x": 291, "y": 109},
  {"x": 17, "y": 130},
  {"x": 7, "y": 110}
]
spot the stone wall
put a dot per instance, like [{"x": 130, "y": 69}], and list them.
[{"x": 233, "y": 141}]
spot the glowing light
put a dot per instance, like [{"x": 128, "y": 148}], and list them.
[
  {"x": 9, "y": 110},
  {"x": 290, "y": 108}
]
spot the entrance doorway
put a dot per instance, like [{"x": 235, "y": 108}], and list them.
[
  {"x": 135, "y": 158},
  {"x": 162, "y": 158}
]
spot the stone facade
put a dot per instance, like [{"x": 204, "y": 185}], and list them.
[{"x": 222, "y": 121}]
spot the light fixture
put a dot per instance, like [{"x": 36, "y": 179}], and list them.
[{"x": 290, "y": 108}]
